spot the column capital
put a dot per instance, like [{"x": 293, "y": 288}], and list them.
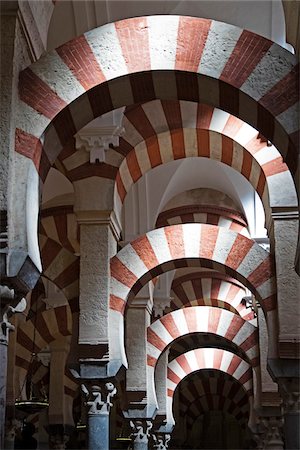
[
  {"x": 99, "y": 397},
  {"x": 273, "y": 432},
  {"x": 161, "y": 440},
  {"x": 95, "y": 217},
  {"x": 289, "y": 389},
  {"x": 140, "y": 429}
]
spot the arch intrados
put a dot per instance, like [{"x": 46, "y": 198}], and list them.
[{"x": 222, "y": 344}]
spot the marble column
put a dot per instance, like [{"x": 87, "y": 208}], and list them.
[
  {"x": 99, "y": 402},
  {"x": 60, "y": 407},
  {"x": 7, "y": 297},
  {"x": 140, "y": 433},
  {"x": 289, "y": 390}
]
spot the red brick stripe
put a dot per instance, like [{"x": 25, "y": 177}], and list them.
[
  {"x": 145, "y": 251},
  {"x": 247, "y": 53},
  {"x": 37, "y": 94},
  {"x": 117, "y": 303},
  {"x": 239, "y": 250},
  {"x": 174, "y": 237},
  {"x": 192, "y": 35},
  {"x": 79, "y": 57},
  {"x": 121, "y": 273},
  {"x": 28, "y": 145},
  {"x": 134, "y": 41}
]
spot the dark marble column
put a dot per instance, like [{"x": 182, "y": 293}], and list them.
[
  {"x": 140, "y": 433},
  {"x": 7, "y": 299},
  {"x": 289, "y": 390},
  {"x": 99, "y": 403}
]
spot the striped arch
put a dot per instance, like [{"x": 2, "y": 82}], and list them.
[
  {"x": 191, "y": 143},
  {"x": 185, "y": 245},
  {"x": 60, "y": 225},
  {"x": 207, "y": 358},
  {"x": 49, "y": 325},
  {"x": 212, "y": 215},
  {"x": 162, "y": 332},
  {"x": 209, "y": 289},
  {"x": 61, "y": 267},
  {"x": 177, "y": 52},
  {"x": 217, "y": 402}
]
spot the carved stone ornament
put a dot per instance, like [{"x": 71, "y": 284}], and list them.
[
  {"x": 141, "y": 430},
  {"x": 273, "y": 432},
  {"x": 97, "y": 141},
  {"x": 161, "y": 440},
  {"x": 291, "y": 401},
  {"x": 99, "y": 397},
  {"x": 58, "y": 441},
  {"x": 8, "y": 295}
]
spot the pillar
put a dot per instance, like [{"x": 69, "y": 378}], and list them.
[
  {"x": 7, "y": 297},
  {"x": 99, "y": 402},
  {"x": 138, "y": 317},
  {"x": 289, "y": 389},
  {"x": 60, "y": 409},
  {"x": 286, "y": 372},
  {"x": 98, "y": 243},
  {"x": 140, "y": 433}
]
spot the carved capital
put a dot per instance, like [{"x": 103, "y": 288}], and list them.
[
  {"x": 160, "y": 304},
  {"x": 9, "y": 298},
  {"x": 273, "y": 432},
  {"x": 96, "y": 141},
  {"x": 161, "y": 440},
  {"x": 289, "y": 389},
  {"x": 98, "y": 397},
  {"x": 140, "y": 430},
  {"x": 58, "y": 441}
]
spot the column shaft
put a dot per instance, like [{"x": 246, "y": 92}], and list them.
[{"x": 98, "y": 431}]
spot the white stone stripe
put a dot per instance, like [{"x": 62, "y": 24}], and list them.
[
  {"x": 245, "y": 134},
  {"x": 225, "y": 223},
  {"x": 223, "y": 290},
  {"x": 218, "y": 120},
  {"x": 209, "y": 357},
  {"x": 244, "y": 332},
  {"x": 224, "y": 243},
  {"x": 81, "y": 111},
  {"x": 161, "y": 331},
  {"x": 52, "y": 145},
  {"x": 131, "y": 135},
  {"x": 156, "y": 116},
  {"x": 132, "y": 261},
  {"x": 202, "y": 315},
  {"x": 190, "y": 143},
  {"x": 166, "y": 148},
  {"x": 191, "y": 359},
  {"x": 66, "y": 86},
  {"x": 142, "y": 157},
  {"x": 37, "y": 123},
  {"x": 268, "y": 72},
  {"x": 254, "y": 174},
  {"x": 107, "y": 50},
  {"x": 215, "y": 146},
  {"x": 188, "y": 114},
  {"x": 159, "y": 244},
  {"x": 171, "y": 385},
  {"x": 63, "y": 260},
  {"x": 267, "y": 288},
  {"x": 255, "y": 256},
  {"x": 189, "y": 289},
  {"x": 219, "y": 45},
  {"x": 76, "y": 159},
  {"x": 163, "y": 31},
  {"x": 176, "y": 368},
  {"x": 289, "y": 119},
  {"x": 226, "y": 360},
  {"x": 180, "y": 320},
  {"x": 118, "y": 289},
  {"x": 266, "y": 154},
  {"x": 206, "y": 287},
  {"x": 224, "y": 322},
  {"x": 125, "y": 176},
  {"x": 237, "y": 157},
  {"x": 191, "y": 239},
  {"x": 153, "y": 351},
  {"x": 50, "y": 228},
  {"x": 240, "y": 370}
]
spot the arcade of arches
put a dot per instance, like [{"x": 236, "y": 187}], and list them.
[{"x": 149, "y": 225}]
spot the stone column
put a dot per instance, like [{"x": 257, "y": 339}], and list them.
[
  {"x": 140, "y": 433},
  {"x": 7, "y": 296},
  {"x": 273, "y": 433},
  {"x": 284, "y": 231},
  {"x": 99, "y": 234},
  {"x": 99, "y": 403},
  {"x": 289, "y": 389},
  {"x": 161, "y": 440},
  {"x": 60, "y": 411},
  {"x": 137, "y": 320}
]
